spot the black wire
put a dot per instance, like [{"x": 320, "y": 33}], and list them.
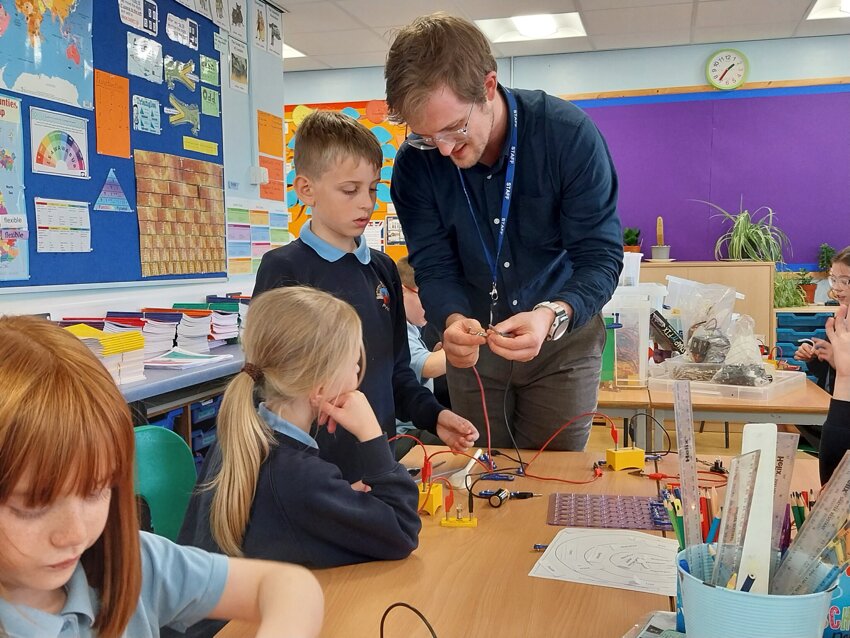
[
  {"x": 505, "y": 415},
  {"x": 411, "y": 608},
  {"x": 659, "y": 424}
]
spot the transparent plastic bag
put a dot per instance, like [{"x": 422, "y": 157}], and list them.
[{"x": 707, "y": 344}]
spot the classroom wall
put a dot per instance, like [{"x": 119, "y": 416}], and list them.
[
  {"x": 560, "y": 74},
  {"x": 597, "y": 71},
  {"x": 239, "y": 122}
]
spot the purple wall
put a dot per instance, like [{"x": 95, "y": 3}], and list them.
[{"x": 787, "y": 151}]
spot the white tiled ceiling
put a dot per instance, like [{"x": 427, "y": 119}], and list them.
[{"x": 337, "y": 34}]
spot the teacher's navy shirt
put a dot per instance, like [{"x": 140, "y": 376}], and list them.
[{"x": 562, "y": 240}]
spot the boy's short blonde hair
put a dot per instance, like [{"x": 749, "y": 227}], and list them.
[
  {"x": 325, "y": 137},
  {"x": 434, "y": 51},
  {"x": 405, "y": 272}
]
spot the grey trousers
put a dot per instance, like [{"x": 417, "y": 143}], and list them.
[{"x": 538, "y": 396}]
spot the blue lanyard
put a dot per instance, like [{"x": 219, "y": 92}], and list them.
[{"x": 493, "y": 260}]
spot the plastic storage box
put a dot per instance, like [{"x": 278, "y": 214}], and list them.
[
  {"x": 208, "y": 409},
  {"x": 783, "y": 383}
]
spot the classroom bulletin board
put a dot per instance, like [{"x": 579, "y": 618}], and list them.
[
  {"x": 385, "y": 231},
  {"x": 92, "y": 91}
]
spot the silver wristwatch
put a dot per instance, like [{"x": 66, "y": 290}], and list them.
[{"x": 562, "y": 320}]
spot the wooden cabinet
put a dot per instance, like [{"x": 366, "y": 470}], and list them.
[{"x": 753, "y": 279}]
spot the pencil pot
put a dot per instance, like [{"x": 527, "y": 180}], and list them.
[{"x": 711, "y": 611}]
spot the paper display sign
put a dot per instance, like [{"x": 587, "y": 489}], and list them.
[
  {"x": 274, "y": 31},
  {"x": 140, "y": 14},
  {"x": 183, "y": 31},
  {"x": 238, "y": 66},
  {"x": 144, "y": 58},
  {"x": 146, "y": 115}
]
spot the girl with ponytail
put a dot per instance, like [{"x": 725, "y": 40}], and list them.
[{"x": 264, "y": 492}]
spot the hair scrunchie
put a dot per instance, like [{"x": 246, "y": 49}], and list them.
[{"x": 253, "y": 371}]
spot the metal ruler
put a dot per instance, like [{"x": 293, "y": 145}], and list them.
[
  {"x": 687, "y": 462},
  {"x": 786, "y": 452},
  {"x": 736, "y": 514},
  {"x": 798, "y": 572}
]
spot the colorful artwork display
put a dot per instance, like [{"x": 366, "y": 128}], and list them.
[
  {"x": 373, "y": 115},
  {"x": 180, "y": 204}
]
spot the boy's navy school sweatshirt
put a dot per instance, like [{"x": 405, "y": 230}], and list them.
[{"x": 369, "y": 281}]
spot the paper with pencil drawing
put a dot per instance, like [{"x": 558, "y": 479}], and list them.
[{"x": 611, "y": 558}]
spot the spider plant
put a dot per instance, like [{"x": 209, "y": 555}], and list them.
[
  {"x": 786, "y": 292},
  {"x": 753, "y": 236}
]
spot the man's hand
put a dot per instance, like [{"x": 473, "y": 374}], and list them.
[
  {"x": 527, "y": 330},
  {"x": 455, "y": 431},
  {"x": 461, "y": 340}
]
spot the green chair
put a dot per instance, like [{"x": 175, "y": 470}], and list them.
[{"x": 165, "y": 477}]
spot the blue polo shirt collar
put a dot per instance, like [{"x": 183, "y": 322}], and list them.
[
  {"x": 279, "y": 424},
  {"x": 332, "y": 253},
  {"x": 79, "y": 609}
]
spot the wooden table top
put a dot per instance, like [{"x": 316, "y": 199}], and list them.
[
  {"x": 475, "y": 583},
  {"x": 624, "y": 397}
]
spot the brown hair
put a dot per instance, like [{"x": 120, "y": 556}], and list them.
[
  {"x": 405, "y": 271},
  {"x": 65, "y": 426},
  {"x": 324, "y": 137},
  {"x": 431, "y": 52},
  {"x": 842, "y": 257},
  {"x": 296, "y": 339}
]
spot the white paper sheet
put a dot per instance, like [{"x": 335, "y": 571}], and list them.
[{"x": 623, "y": 559}]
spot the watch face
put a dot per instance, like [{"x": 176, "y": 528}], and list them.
[{"x": 726, "y": 69}]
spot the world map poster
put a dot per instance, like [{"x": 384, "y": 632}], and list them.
[{"x": 46, "y": 50}]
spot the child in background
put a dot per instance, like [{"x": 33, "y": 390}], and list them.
[
  {"x": 337, "y": 163},
  {"x": 835, "y": 440},
  {"x": 269, "y": 494},
  {"x": 818, "y": 355},
  {"x": 72, "y": 561},
  {"x": 426, "y": 365}
]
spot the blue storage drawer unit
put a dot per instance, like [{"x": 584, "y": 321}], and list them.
[
  {"x": 802, "y": 321},
  {"x": 168, "y": 419},
  {"x": 202, "y": 439},
  {"x": 203, "y": 410},
  {"x": 791, "y": 335}
]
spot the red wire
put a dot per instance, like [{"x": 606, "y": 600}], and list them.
[
  {"x": 486, "y": 415},
  {"x": 469, "y": 456},
  {"x": 567, "y": 424}
]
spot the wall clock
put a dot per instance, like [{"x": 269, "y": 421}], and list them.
[{"x": 726, "y": 69}]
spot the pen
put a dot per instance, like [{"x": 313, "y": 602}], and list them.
[
  {"x": 748, "y": 582},
  {"x": 539, "y": 547}
]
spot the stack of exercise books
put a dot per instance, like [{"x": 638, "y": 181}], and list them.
[
  {"x": 158, "y": 328},
  {"x": 179, "y": 359},
  {"x": 224, "y": 320},
  {"x": 122, "y": 353}
]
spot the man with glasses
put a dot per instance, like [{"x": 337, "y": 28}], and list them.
[{"x": 508, "y": 201}]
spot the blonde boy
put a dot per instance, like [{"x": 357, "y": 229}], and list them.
[{"x": 337, "y": 164}]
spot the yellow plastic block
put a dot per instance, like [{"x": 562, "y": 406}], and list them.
[
  {"x": 625, "y": 458},
  {"x": 430, "y": 502},
  {"x": 453, "y": 521}
]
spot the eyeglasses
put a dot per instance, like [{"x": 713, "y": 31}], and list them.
[
  {"x": 454, "y": 137},
  {"x": 838, "y": 282}
]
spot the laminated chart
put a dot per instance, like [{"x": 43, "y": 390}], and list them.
[{"x": 180, "y": 204}]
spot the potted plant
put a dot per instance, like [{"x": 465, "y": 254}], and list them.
[
  {"x": 753, "y": 236},
  {"x": 660, "y": 250},
  {"x": 807, "y": 285},
  {"x": 826, "y": 254},
  {"x": 631, "y": 240},
  {"x": 786, "y": 292}
]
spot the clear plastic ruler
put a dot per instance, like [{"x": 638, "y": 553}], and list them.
[
  {"x": 786, "y": 452},
  {"x": 736, "y": 515},
  {"x": 687, "y": 462},
  {"x": 755, "y": 558},
  {"x": 798, "y": 572}
]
